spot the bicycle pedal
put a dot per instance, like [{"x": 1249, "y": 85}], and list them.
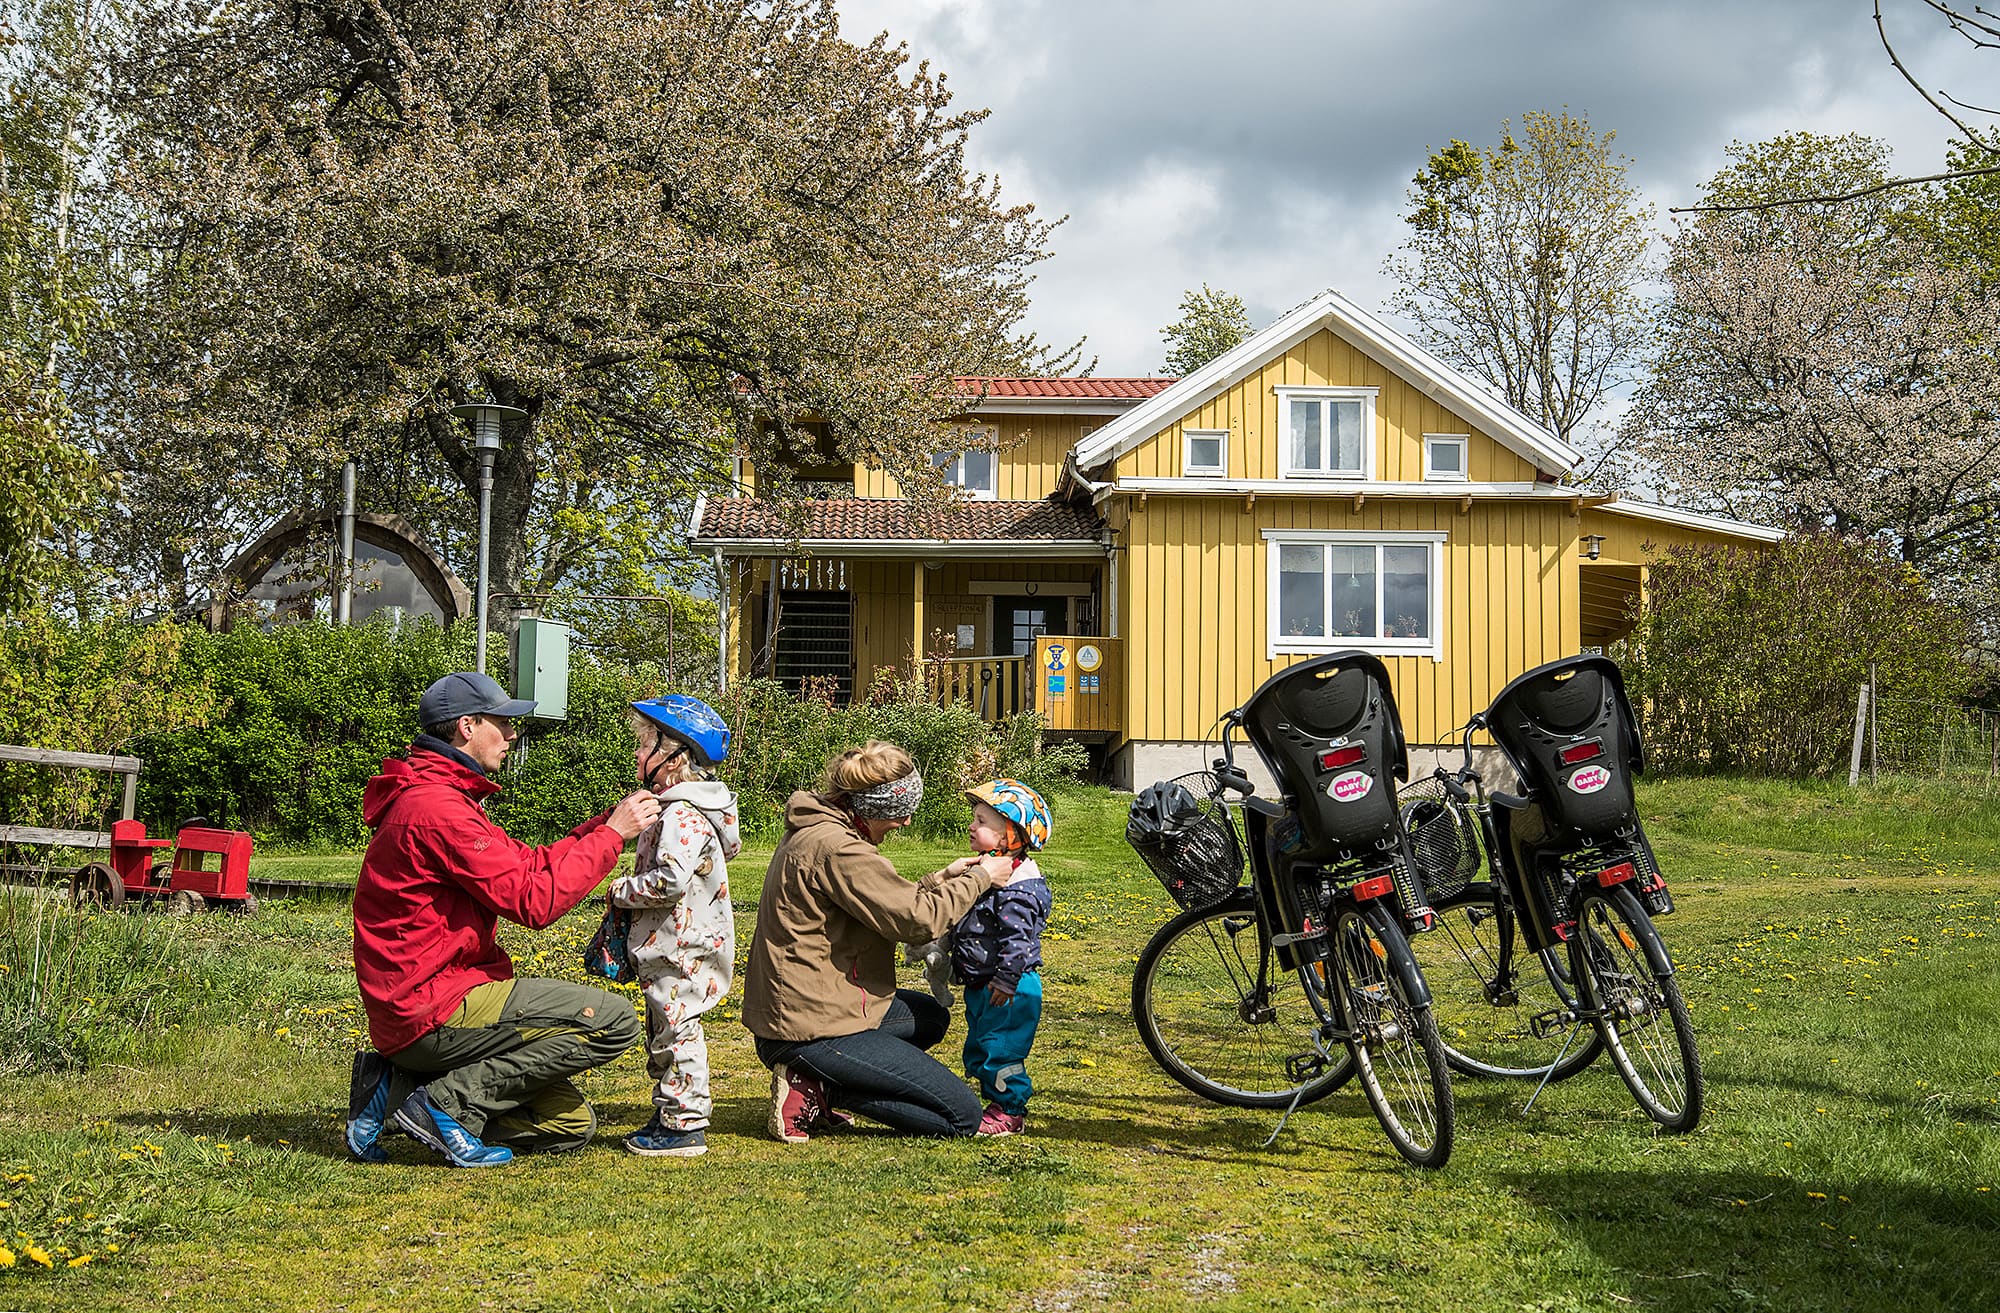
[
  {"x": 1551, "y": 1025},
  {"x": 1302, "y": 1067}
]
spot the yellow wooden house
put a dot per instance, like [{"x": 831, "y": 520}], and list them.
[{"x": 1132, "y": 557}]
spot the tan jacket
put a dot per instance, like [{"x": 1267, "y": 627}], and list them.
[{"x": 822, "y": 963}]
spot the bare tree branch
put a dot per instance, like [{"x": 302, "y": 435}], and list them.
[{"x": 1948, "y": 176}]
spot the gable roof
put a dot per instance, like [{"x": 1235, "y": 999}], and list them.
[{"x": 1465, "y": 395}]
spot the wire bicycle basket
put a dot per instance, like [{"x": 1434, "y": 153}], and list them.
[
  {"x": 1444, "y": 842},
  {"x": 1186, "y": 837}
]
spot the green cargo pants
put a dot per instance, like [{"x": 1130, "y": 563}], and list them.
[{"x": 500, "y": 1065}]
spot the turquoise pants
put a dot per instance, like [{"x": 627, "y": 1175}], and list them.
[{"x": 997, "y": 1040}]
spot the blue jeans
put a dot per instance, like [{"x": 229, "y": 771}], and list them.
[
  {"x": 884, "y": 1074},
  {"x": 997, "y": 1040}
]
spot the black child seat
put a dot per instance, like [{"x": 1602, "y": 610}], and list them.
[
  {"x": 1567, "y": 727},
  {"x": 1329, "y": 732}
]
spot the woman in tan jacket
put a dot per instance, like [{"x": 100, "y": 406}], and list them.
[{"x": 820, "y": 992}]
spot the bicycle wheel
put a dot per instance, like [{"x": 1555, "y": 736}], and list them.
[
  {"x": 1209, "y": 1024},
  {"x": 1483, "y": 1021},
  {"x": 1638, "y": 1009},
  {"x": 1395, "y": 1041}
]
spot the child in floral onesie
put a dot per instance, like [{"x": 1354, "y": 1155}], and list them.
[
  {"x": 683, "y": 938},
  {"x": 996, "y": 950}
]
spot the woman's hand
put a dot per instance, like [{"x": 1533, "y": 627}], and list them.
[{"x": 998, "y": 868}]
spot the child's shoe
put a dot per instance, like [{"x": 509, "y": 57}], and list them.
[
  {"x": 658, "y": 1140},
  {"x": 998, "y": 1121},
  {"x": 797, "y": 1101}
]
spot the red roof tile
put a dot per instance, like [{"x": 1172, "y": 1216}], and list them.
[
  {"x": 858, "y": 519},
  {"x": 1122, "y": 389}
]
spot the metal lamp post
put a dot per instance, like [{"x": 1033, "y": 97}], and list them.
[{"x": 485, "y": 419}]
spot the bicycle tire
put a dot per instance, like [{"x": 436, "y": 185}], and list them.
[
  {"x": 1488, "y": 1037},
  {"x": 1393, "y": 1038},
  {"x": 1628, "y": 995},
  {"x": 1193, "y": 998}
]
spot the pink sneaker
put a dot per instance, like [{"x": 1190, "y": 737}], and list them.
[
  {"x": 998, "y": 1121},
  {"x": 797, "y": 1101}
]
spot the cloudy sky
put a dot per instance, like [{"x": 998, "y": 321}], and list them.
[{"x": 1264, "y": 146}]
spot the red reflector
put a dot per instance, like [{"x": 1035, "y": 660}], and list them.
[
  {"x": 1618, "y": 874},
  {"x": 1374, "y": 888},
  {"x": 1341, "y": 757},
  {"x": 1576, "y": 752}
]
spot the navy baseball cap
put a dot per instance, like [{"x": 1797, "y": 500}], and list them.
[{"x": 468, "y": 693}]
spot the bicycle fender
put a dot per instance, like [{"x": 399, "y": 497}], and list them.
[
  {"x": 1389, "y": 929},
  {"x": 1650, "y": 942}
]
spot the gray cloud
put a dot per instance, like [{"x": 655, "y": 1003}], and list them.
[{"x": 1266, "y": 147}]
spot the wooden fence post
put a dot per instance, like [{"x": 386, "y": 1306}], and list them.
[{"x": 1860, "y": 727}]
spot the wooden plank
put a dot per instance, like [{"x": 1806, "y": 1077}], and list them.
[
  {"x": 54, "y": 838},
  {"x": 85, "y": 760}
]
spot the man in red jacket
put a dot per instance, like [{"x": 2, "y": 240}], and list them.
[{"x": 471, "y": 1061}]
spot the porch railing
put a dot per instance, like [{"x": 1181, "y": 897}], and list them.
[{"x": 996, "y": 686}]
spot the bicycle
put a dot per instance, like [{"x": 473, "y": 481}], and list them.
[
  {"x": 1275, "y": 994},
  {"x": 1553, "y": 958}
]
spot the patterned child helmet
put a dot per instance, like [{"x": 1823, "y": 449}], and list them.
[
  {"x": 691, "y": 721},
  {"x": 1019, "y": 804}
]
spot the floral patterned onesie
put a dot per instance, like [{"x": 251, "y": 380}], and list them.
[{"x": 683, "y": 939}]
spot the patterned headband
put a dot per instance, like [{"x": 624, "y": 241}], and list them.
[{"x": 896, "y": 800}]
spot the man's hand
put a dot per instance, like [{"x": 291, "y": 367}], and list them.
[
  {"x": 998, "y": 868},
  {"x": 634, "y": 814}
]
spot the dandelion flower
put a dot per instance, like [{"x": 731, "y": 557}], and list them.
[
  {"x": 6, "y": 1256},
  {"x": 79, "y": 1260},
  {"x": 37, "y": 1254}
]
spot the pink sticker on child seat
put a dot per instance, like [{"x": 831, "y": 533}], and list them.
[
  {"x": 1351, "y": 787},
  {"x": 1590, "y": 779}
]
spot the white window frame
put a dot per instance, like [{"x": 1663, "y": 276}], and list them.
[
  {"x": 1288, "y": 396},
  {"x": 985, "y": 440},
  {"x": 1221, "y": 465},
  {"x": 1278, "y": 644},
  {"x": 1432, "y": 441}
]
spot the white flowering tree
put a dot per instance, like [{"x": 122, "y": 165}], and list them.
[
  {"x": 643, "y": 225},
  {"x": 1826, "y": 365}
]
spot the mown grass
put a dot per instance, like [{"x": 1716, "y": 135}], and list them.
[{"x": 1839, "y": 955}]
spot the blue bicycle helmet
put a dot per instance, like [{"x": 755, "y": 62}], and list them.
[{"x": 691, "y": 721}]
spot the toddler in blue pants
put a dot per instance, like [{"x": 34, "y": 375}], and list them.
[{"x": 996, "y": 952}]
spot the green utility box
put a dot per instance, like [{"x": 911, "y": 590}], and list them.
[{"x": 541, "y": 667}]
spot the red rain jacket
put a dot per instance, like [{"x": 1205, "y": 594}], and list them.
[{"x": 437, "y": 877}]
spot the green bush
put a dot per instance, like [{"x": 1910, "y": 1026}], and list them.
[
  {"x": 99, "y": 686},
  {"x": 783, "y": 742},
  {"x": 1751, "y": 660},
  {"x": 277, "y": 731},
  {"x": 313, "y": 708}
]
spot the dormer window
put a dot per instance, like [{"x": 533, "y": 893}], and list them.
[
  {"x": 975, "y": 470},
  {"x": 1326, "y": 433}
]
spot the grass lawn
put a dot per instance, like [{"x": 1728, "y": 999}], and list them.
[{"x": 1840, "y": 958}]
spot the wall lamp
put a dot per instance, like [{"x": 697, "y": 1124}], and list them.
[{"x": 1593, "y": 546}]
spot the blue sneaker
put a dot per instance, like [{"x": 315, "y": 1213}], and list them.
[
  {"x": 656, "y": 1140},
  {"x": 368, "y": 1106},
  {"x": 428, "y": 1125}
]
